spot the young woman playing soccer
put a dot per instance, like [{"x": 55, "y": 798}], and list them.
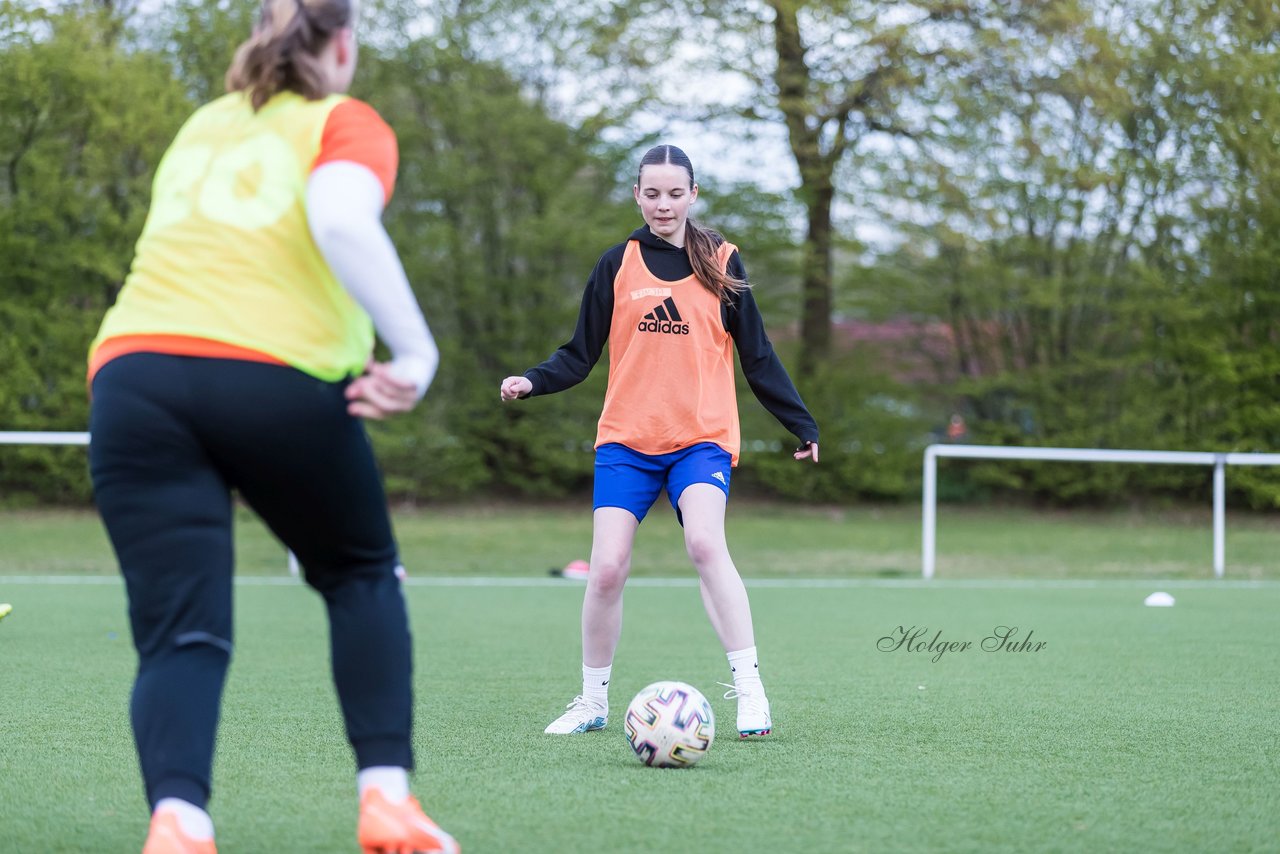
[
  {"x": 237, "y": 357},
  {"x": 673, "y": 301}
]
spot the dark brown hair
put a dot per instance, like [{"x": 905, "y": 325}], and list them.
[
  {"x": 701, "y": 243},
  {"x": 283, "y": 52}
]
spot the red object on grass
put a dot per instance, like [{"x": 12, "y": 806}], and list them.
[{"x": 575, "y": 569}]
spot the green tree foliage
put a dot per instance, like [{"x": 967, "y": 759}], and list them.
[
  {"x": 500, "y": 214},
  {"x": 199, "y": 38},
  {"x": 1085, "y": 197},
  {"x": 1223, "y": 61},
  {"x": 834, "y": 75},
  {"x": 83, "y": 119},
  {"x": 1081, "y": 243}
]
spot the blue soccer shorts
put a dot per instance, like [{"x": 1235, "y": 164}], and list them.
[{"x": 632, "y": 480}]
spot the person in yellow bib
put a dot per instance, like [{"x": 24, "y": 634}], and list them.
[
  {"x": 673, "y": 303},
  {"x": 238, "y": 358}
]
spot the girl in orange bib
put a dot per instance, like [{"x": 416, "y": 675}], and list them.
[{"x": 673, "y": 302}]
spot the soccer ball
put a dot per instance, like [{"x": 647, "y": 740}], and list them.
[{"x": 670, "y": 725}]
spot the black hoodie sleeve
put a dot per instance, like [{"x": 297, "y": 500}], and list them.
[
  {"x": 760, "y": 363},
  {"x": 570, "y": 364}
]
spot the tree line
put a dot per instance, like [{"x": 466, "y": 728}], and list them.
[{"x": 1067, "y": 214}]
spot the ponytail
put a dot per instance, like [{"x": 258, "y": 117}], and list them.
[
  {"x": 702, "y": 244},
  {"x": 282, "y": 54}
]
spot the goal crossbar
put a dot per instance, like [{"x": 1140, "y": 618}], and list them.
[
  {"x": 32, "y": 437},
  {"x": 1219, "y": 462}
]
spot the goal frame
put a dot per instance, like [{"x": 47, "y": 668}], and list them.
[{"x": 1219, "y": 462}]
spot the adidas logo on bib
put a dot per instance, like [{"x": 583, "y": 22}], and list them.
[{"x": 664, "y": 318}]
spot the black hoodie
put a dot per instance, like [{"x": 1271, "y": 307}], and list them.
[{"x": 768, "y": 379}]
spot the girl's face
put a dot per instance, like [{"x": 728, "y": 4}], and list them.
[{"x": 664, "y": 195}]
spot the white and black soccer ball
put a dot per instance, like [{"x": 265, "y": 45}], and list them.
[{"x": 670, "y": 725}]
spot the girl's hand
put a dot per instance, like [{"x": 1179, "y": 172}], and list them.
[
  {"x": 514, "y": 387},
  {"x": 378, "y": 392},
  {"x": 808, "y": 449}
]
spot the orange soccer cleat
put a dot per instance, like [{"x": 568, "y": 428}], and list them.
[
  {"x": 168, "y": 837},
  {"x": 403, "y": 828}
]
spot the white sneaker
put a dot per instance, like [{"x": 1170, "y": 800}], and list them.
[
  {"x": 583, "y": 715},
  {"x": 753, "y": 710}
]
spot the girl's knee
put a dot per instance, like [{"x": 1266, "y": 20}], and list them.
[
  {"x": 704, "y": 550},
  {"x": 607, "y": 576}
]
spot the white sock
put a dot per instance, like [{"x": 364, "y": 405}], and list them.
[
  {"x": 595, "y": 684},
  {"x": 195, "y": 822},
  {"x": 392, "y": 781},
  {"x": 746, "y": 670}
]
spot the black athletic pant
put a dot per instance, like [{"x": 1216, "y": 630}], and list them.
[{"x": 171, "y": 436}]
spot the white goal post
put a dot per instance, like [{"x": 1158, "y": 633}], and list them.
[
  {"x": 24, "y": 437},
  {"x": 1219, "y": 461}
]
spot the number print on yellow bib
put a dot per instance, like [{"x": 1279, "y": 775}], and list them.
[
  {"x": 179, "y": 174},
  {"x": 248, "y": 186}
]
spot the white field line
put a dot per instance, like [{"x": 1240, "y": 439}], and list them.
[{"x": 758, "y": 583}]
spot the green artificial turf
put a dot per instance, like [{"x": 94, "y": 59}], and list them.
[
  {"x": 767, "y": 540},
  {"x": 1131, "y": 729}
]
